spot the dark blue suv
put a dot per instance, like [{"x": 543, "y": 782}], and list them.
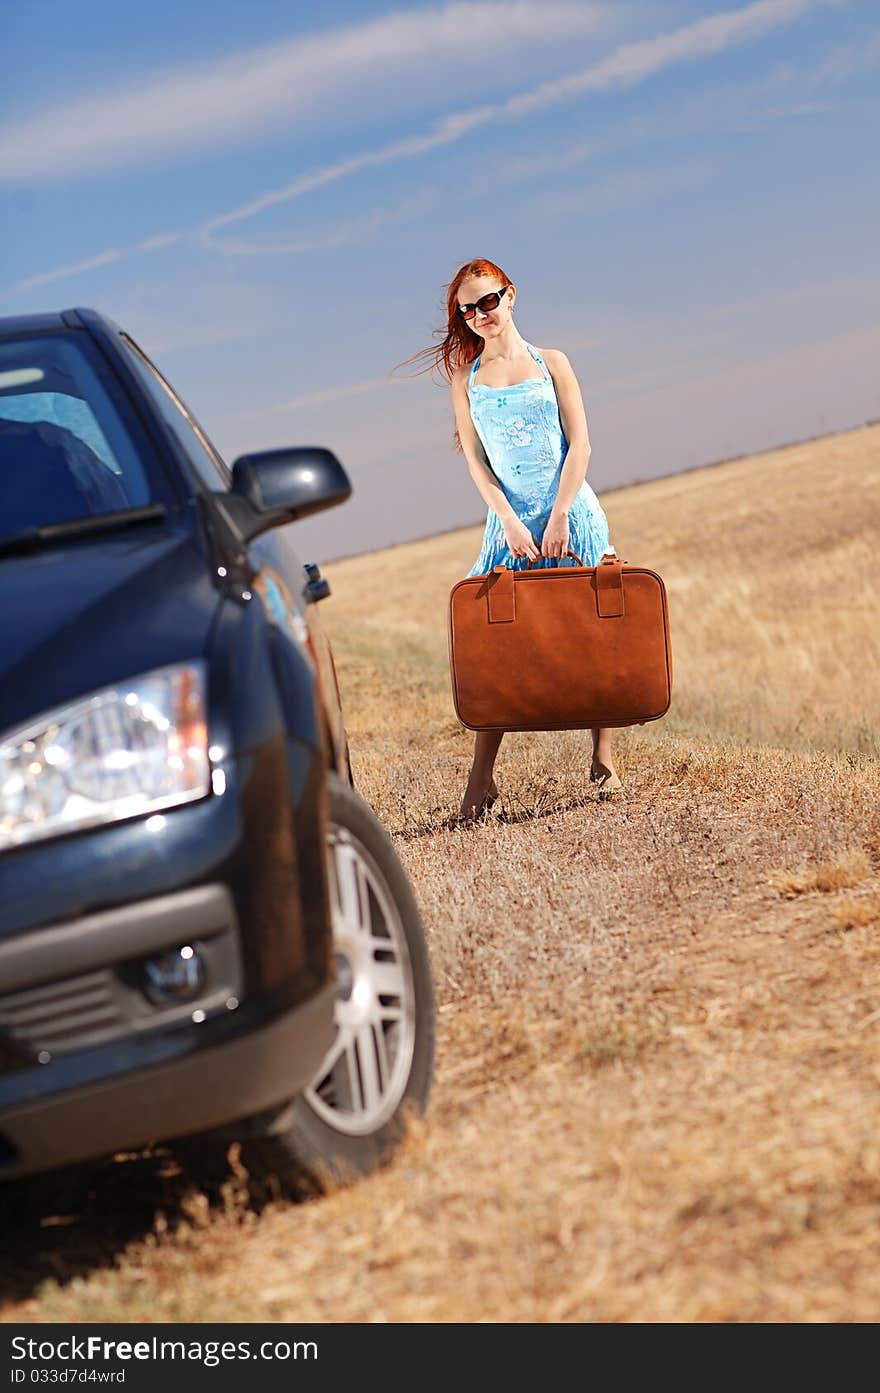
[{"x": 204, "y": 931}]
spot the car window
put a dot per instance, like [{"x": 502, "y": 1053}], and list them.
[
  {"x": 200, "y": 452},
  {"x": 65, "y": 452}
]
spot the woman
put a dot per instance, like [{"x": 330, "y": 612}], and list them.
[{"x": 522, "y": 428}]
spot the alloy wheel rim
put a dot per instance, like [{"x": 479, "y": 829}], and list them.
[{"x": 363, "y": 1077}]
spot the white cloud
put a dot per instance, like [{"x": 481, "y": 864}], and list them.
[
  {"x": 76, "y": 268},
  {"x": 208, "y": 105},
  {"x": 445, "y": 132},
  {"x": 770, "y": 99},
  {"x": 629, "y": 64},
  {"x": 634, "y": 62},
  {"x": 343, "y": 234},
  {"x": 847, "y": 60},
  {"x": 105, "y": 258}
]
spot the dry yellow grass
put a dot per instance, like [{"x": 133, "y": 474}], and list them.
[
  {"x": 854, "y": 913},
  {"x": 657, "y": 1089},
  {"x": 848, "y": 870}
]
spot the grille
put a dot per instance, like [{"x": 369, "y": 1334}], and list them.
[{"x": 62, "y": 1016}]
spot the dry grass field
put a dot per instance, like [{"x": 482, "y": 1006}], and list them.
[{"x": 658, "y": 1075}]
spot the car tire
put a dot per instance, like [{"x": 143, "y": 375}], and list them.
[{"x": 379, "y": 1070}]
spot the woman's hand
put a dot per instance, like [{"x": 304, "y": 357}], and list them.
[
  {"x": 556, "y": 535},
  {"x": 520, "y": 541}
]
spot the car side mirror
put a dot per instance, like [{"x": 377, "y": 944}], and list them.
[{"x": 278, "y": 486}]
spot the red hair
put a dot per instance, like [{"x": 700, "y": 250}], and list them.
[{"x": 459, "y": 345}]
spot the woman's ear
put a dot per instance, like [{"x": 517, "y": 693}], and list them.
[{"x": 511, "y": 291}]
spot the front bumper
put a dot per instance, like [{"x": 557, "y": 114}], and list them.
[
  {"x": 84, "y": 982},
  {"x": 91, "y": 1064},
  {"x": 207, "y": 1089}
]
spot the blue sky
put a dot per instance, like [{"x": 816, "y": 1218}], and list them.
[{"x": 272, "y": 197}]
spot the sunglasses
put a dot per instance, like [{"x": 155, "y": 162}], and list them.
[{"x": 484, "y": 304}]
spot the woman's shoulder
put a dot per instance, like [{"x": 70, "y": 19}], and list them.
[
  {"x": 460, "y": 375},
  {"x": 554, "y": 358}
]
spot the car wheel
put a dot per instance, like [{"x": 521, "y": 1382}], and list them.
[{"x": 380, "y": 1065}]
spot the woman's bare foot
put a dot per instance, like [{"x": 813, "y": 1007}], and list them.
[
  {"x": 606, "y": 776},
  {"x": 478, "y": 799}
]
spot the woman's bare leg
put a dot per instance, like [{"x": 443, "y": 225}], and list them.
[
  {"x": 602, "y": 769},
  {"x": 481, "y": 784}
]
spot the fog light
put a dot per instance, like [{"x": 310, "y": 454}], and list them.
[{"x": 174, "y": 977}]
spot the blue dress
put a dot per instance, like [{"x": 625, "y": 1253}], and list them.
[{"x": 521, "y": 432}]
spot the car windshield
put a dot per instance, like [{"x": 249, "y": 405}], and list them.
[{"x": 65, "y": 454}]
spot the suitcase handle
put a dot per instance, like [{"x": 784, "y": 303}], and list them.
[
  {"x": 610, "y": 558},
  {"x": 558, "y": 558}
]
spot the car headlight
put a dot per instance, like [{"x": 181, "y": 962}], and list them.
[{"x": 126, "y": 750}]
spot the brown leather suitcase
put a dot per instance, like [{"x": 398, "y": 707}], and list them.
[{"x": 560, "y": 648}]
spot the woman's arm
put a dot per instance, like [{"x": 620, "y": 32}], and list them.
[
  {"x": 574, "y": 469},
  {"x": 519, "y": 539}
]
